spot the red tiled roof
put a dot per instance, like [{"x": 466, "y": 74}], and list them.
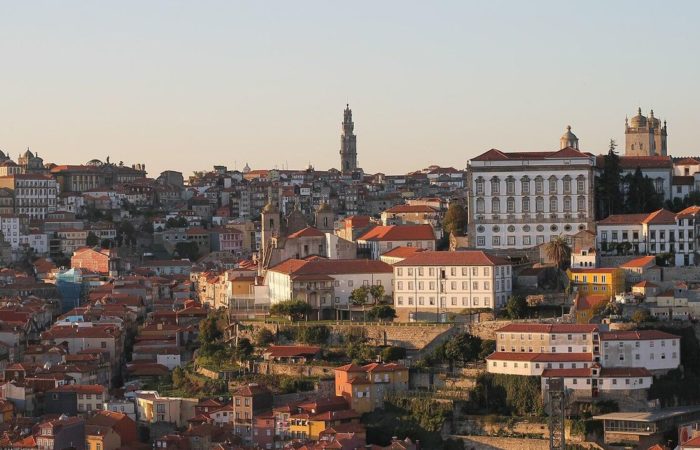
[
  {"x": 399, "y": 233},
  {"x": 639, "y": 262},
  {"x": 660, "y": 217},
  {"x": 585, "y": 270},
  {"x": 645, "y": 284},
  {"x": 319, "y": 266},
  {"x": 688, "y": 162},
  {"x": 614, "y": 372},
  {"x": 458, "y": 258},
  {"x": 497, "y": 155},
  {"x": 639, "y": 335},
  {"x": 586, "y": 302},
  {"x": 307, "y": 232},
  {"x": 402, "y": 252},
  {"x": 81, "y": 388},
  {"x": 548, "y": 328},
  {"x": 350, "y": 368},
  {"x": 567, "y": 373},
  {"x": 623, "y": 219},
  {"x": 399, "y": 209},
  {"x": 288, "y": 351}
]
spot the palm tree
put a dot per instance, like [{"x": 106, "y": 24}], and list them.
[{"x": 558, "y": 250}]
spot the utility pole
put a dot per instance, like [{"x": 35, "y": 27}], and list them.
[{"x": 557, "y": 407}]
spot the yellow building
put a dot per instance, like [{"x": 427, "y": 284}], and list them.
[
  {"x": 597, "y": 281},
  {"x": 364, "y": 387},
  {"x": 101, "y": 438}
]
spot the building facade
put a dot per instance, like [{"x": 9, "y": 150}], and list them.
[
  {"x": 430, "y": 284},
  {"x": 519, "y": 200}
]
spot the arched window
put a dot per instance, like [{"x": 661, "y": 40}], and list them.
[
  {"x": 510, "y": 186},
  {"x": 567, "y": 203},
  {"x": 553, "y": 204},
  {"x": 480, "y": 205},
  {"x": 539, "y": 185},
  {"x": 580, "y": 184},
  {"x": 495, "y": 205},
  {"x": 552, "y": 185},
  {"x": 581, "y": 203},
  {"x": 495, "y": 186},
  {"x": 525, "y": 185},
  {"x": 526, "y": 204},
  {"x": 510, "y": 205},
  {"x": 539, "y": 204},
  {"x": 566, "y": 181},
  {"x": 479, "y": 186}
]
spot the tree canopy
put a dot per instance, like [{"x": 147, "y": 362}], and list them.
[
  {"x": 455, "y": 220},
  {"x": 294, "y": 309}
]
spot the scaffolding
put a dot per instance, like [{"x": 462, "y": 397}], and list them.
[{"x": 557, "y": 407}]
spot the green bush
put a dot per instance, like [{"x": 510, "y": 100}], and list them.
[
  {"x": 314, "y": 334},
  {"x": 393, "y": 353}
]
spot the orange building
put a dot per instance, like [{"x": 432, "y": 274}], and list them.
[{"x": 365, "y": 387}]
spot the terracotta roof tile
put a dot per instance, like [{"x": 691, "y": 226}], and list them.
[
  {"x": 458, "y": 258},
  {"x": 399, "y": 233}
]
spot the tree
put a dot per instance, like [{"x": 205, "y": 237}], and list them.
[
  {"x": 92, "y": 240},
  {"x": 189, "y": 250},
  {"x": 558, "y": 251},
  {"x": 358, "y": 297},
  {"x": 382, "y": 312},
  {"x": 126, "y": 232},
  {"x": 488, "y": 346},
  {"x": 178, "y": 377},
  {"x": 315, "y": 334},
  {"x": 294, "y": 309},
  {"x": 377, "y": 292},
  {"x": 608, "y": 184},
  {"x": 176, "y": 222},
  {"x": 516, "y": 307},
  {"x": 209, "y": 330},
  {"x": 463, "y": 348},
  {"x": 641, "y": 194},
  {"x": 640, "y": 316},
  {"x": 245, "y": 349},
  {"x": 264, "y": 337},
  {"x": 393, "y": 354},
  {"x": 455, "y": 220},
  {"x": 107, "y": 243}
]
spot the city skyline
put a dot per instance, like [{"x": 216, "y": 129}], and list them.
[{"x": 181, "y": 87}]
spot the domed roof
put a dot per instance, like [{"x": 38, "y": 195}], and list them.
[
  {"x": 324, "y": 207},
  {"x": 94, "y": 162},
  {"x": 269, "y": 208},
  {"x": 568, "y": 135},
  {"x": 639, "y": 120},
  {"x": 28, "y": 154}
]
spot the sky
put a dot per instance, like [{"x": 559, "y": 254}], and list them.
[{"x": 187, "y": 85}]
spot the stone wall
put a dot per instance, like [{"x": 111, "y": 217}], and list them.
[
  {"x": 502, "y": 443},
  {"x": 411, "y": 336},
  {"x": 294, "y": 370}
]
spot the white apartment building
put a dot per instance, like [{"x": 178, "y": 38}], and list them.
[
  {"x": 651, "y": 349},
  {"x": 326, "y": 284},
  {"x": 431, "y": 283},
  {"x": 35, "y": 195},
  {"x": 655, "y": 233},
  {"x": 591, "y": 362},
  {"x": 519, "y": 200}
]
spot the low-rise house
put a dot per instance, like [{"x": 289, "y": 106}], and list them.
[
  {"x": 365, "y": 387},
  {"x": 247, "y": 403},
  {"x": 641, "y": 268},
  {"x": 152, "y": 408},
  {"x": 75, "y": 399},
  {"x": 380, "y": 239},
  {"x": 595, "y": 281},
  {"x": 102, "y": 261},
  {"x": 62, "y": 433}
]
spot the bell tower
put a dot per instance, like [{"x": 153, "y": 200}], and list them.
[{"x": 348, "y": 143}]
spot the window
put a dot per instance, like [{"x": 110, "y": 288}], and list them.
[
  {"x": 480, "y": 205},
  {"x": 495, "y": 205},
  {"x": 552, "y": 185},
  {"x": 526, "y": 240},
  {"x": 553, "y": 204},
  {"x": 495, "y": 186},
  {"x": 525, "y": 186},
  {"x": 480, "y": 186},
  {"x": 496, "y": 241},
  {"x": 480, "y": 241},
  {"x": 511, "y": 240},
  {"x": 526, "y": 204},
  {"x": 581, "y": 204},
  {"x": 510, "y": 205},
  {"x": 510, "y": 186},
  {"x": 567, "y": 204},
  {"x": 580, "y": 185},
  {"x": 539, "y": 204}
]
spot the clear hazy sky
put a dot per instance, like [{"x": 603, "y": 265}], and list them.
[{"x": 186, "y": 85}]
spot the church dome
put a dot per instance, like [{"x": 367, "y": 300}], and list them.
[
  {"x": 568, "y": 139},
  {"x": 639, "y": 120},
  {"x": 94, "y": 162}
]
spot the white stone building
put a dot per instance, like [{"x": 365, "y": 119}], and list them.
[
  {"x": 591, "y": 362},
  {"x": 35, "y": 195},
  {"x": 519, "y": 200},
  {"x": 431, "y": 283},
  {"x": 652, "y": 234}
]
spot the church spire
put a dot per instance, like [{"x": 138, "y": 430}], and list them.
[{"x": 348, "y": 143}]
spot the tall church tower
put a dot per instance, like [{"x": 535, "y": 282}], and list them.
[
  {"x": 645, "y": 136},
  {"x": 348, "y": 143}
]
